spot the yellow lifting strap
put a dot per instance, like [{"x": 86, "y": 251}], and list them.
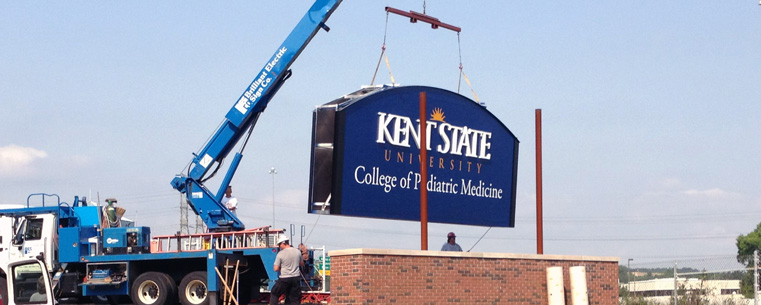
[
  {"x": 469, "y": 85},
  {"x": 391, "y": 75}
]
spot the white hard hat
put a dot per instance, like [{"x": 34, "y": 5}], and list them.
[{"x": 282, "y": 239}]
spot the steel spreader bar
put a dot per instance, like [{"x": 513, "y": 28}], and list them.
[{"x": 415, "y": 17}]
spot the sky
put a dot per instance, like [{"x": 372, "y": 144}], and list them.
[{"x": 650, "y": 112}]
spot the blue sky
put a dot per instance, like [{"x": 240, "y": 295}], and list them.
[{"x": 650, "y": 110}]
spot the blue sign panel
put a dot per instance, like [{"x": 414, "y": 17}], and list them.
[{"x": 375, "y": 159}]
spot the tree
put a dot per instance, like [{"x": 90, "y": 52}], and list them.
[
  {"x": 746, "y": 246},
  {"x": 623, "y": 274}
]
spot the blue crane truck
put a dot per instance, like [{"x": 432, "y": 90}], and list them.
[{"x": 86, "y": 256}]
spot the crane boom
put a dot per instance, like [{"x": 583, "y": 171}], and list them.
[{"x": 240, "y": 120}]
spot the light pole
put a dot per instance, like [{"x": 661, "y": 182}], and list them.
[
  {"x": 629, "y": 274},
  {"x": 273, "y": 172}
]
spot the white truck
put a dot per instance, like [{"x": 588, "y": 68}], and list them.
[
  {"x": 28, "y": 282},
  {"x": 28, "y": 235}
]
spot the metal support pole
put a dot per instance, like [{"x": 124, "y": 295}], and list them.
[
  {"x": 324, "y": 261},
  {"x": 273, "y": 172},
  {"x": 423, "y": 175},
  {"x": 539, "y": 225},
  {"x": 629, "y": 276},
  {"x": 755, "y": 277},
  {"x": 675, "y": 286}
]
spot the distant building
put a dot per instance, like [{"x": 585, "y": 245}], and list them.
[
  {"x": 662, "y": 290},
  {"x": 643, "y": 274}
]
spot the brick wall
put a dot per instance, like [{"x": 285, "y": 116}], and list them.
[{"x": 374, "y": 276}]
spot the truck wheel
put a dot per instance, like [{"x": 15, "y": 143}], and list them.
[
  {"x": 193, "y": 289},
  {"x": 151, "y": 288},
  {"x": 171, "y": 289}
]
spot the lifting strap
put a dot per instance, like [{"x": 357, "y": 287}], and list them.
[
  {"x": 469, "y": 85},
  {"x": 391, "y": 75},
  {"x": 462, "y": 73}
]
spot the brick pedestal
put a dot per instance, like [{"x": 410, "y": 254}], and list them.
[{"x": 375, "y": 276}]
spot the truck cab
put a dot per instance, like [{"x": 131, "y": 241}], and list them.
[{"x": 26, "y": 235}]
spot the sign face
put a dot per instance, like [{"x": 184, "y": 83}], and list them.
[{"x": 375, "y": 160}]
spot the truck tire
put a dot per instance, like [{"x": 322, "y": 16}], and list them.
[
  {"x": 152, "y": 288},
  {"x": 171, "y": 288},
  {"x": 193, "y": 289}
]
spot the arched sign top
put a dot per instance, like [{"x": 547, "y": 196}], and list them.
[
  {"x": 375, "y": 160},
  {"x": 408, "y": 96}
]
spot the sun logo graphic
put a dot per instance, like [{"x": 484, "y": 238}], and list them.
[{"x": 437, "y": 115}]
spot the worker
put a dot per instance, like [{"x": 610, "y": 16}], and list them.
[
  {"x": 230, "y": 202},
  {"x": 40, "y": 295},
  {"x": 451, "y": 245},
  {"x": 304, "y": 252},
  {"x": 287, "y": 263}
]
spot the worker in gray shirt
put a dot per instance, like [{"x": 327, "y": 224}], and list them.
[
  {"x": 451, "y": 245},
  {"x": 287, "y": 263}
]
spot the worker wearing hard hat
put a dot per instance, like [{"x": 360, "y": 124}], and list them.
[
  {"x": 287, "y": 263},
  {"x": 451, "y": 245}
]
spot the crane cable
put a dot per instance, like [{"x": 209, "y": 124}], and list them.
[
  {"x": 383, "y": 54},
  {"x": 462, "y": 73},
  {"x": 479, "y": 240},
  {"x": 324, "y": 205}
]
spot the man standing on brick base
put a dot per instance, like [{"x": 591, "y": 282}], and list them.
[
  {"x": 451, "y": 245},
  {"x": 287, "y": 263}
]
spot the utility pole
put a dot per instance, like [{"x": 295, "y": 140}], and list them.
[
  {"x": 273, "y": 172},
  {"x": 629, "y": 275},
  {"x": 676, "y": 278},
  {"x": 755, "y": 274}
]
